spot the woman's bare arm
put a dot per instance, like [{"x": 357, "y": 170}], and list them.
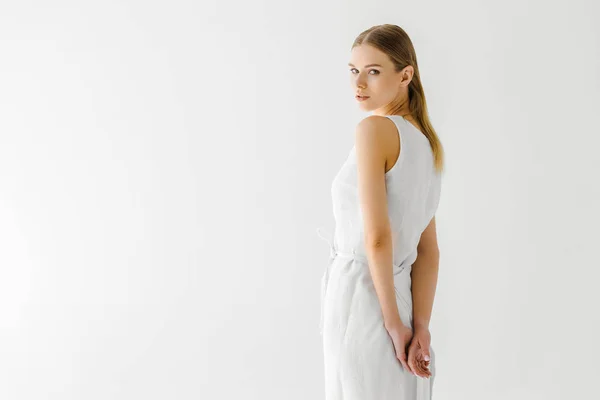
[
  {"x": 424, "y": 276},
  {"x": 372, "y": 142}
]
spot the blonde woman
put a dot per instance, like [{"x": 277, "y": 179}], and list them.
[{"x": 379, "y": 285}]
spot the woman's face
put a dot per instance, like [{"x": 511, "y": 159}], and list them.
[{"x": 372, "y": 74}]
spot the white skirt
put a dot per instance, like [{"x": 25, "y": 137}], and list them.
[{"x": 359, "y": 358}]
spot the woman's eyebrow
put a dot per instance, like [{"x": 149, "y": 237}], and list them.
[{"x": 367, "y": 66}]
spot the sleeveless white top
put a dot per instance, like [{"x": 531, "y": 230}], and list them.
[{"x": 413, "y": 193}]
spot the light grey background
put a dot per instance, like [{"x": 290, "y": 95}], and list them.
[{"x": 164, "y": 167}]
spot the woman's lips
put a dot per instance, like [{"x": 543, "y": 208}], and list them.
[{"x": 361, "y": 98}]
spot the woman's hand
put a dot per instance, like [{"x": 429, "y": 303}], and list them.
[
  {"x": 401, "y": 336},
  {"x": 418, "y": 353}
]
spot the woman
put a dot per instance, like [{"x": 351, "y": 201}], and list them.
[{"x": 378, "y": 289}]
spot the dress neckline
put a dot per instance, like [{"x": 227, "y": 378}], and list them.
[{"x": 405, "y": 120}]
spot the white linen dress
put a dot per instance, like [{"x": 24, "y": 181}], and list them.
[{"x": 359, "y": 358}]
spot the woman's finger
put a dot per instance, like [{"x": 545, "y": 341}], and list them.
[
  {"x": 411, "y": 362},
  {"x": 413, "y": 357},
  {"x": 401, "y": 356},
  {"x": 418, "y": 368},
  {"x": 415, "y": 360},
  {"x": 425, "y": 369}
]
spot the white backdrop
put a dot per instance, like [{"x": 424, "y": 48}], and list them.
[{"x": 164, "y": 166}]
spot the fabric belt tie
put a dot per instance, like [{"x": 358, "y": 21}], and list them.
[
  {"x": 325, "y": 278},
  {"x": 333, "y": 253}
]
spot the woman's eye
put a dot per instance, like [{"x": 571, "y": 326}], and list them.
[{"x": 373, "y": 70}]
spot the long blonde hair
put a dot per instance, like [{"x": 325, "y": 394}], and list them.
[{"x": 394, "y": 41}]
